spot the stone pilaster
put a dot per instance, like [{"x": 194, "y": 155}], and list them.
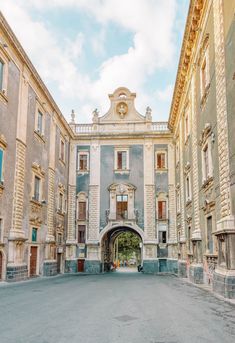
[
  {"x": 51, "y": 206},
  {"x": 93, "y": 260},
  {"x": 172, "y": 238},
  {"x": 196, "y": 235},
  {"x": 93, "y": 232},
  {"x": 18, "y": 202},
  {"x": 149, "y": 192},
  {"x": 17, "y": 266},
  {"x": 182, "y": 191},
  {"x": 224, "y": 276},
  {"x": 94, "y": 193}
]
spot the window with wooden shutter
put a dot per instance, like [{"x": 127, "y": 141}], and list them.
[
  {"x": 83, "y": 162},
  {"x": 161, "y": 209},
  {"x": 161, "y": 160},
  {"x": 81, "y": 233},
  {"x": 122, "y": 206},
  {"x": 82, "y": 210}
]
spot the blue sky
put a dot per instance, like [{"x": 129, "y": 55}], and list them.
[{"x": 85, "y": 49}]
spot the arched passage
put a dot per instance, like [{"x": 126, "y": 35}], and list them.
[{"x": 108, "y": 240}]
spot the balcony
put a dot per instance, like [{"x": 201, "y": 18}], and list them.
[
  {"x": 125, "y": 217},
  {"x": 112, "y": 128}
]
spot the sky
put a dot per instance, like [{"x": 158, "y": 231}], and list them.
[{"x": 85, "y": 49}]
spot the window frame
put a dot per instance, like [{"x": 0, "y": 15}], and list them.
[
  {"x": 116, "y": 167},
  {"x": 35, "y": 198},
  {"x": 34, "y": 229},
  {"x": 39, "y": 111},
  {"x": 4, "y": 58},
  {"x": 62, "y": 149},
  {"x": 188, "y": 187},
  {"x": 163, "y": 211},
  {"x": 83, "y": 153},
  {"x": 207, "y": 174},
  {"x": 83, "y": 241},
  {"x": 205, "y": 69},
  {"x": 164, "y": 153}
]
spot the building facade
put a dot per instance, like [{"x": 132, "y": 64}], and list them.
[{"x": 68, "y": 190}]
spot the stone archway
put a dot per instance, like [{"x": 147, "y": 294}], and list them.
[{"x": 107, "y": 240}]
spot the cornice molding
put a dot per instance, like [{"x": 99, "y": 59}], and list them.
[
  {"x": 25, "y": 59},
  {"x": 191, "y": 30}
]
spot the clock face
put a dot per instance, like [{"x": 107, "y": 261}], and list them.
[{"x": 122, "y": 109}]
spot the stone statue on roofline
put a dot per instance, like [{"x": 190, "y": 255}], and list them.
[
  {"x": 95, "y": 116},
  {"x": 148, "y": 114}
]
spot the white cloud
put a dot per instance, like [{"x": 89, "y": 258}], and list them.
[
  {"x": 165, "y": 94},
  {"x": 150, "y": 21}
]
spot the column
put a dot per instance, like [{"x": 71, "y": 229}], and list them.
[
  {"x": 71, "y": 242},
  {"x": 93, "y": 260},
  {"x": 17, "y": 267},
  {"x": 224, "y": 275},
  {"x": 150, "y": 263}
]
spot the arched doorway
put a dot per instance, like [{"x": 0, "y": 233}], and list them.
[{"x": 109, "y": 250}]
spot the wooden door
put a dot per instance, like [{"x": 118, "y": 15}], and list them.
[
  {"x": 122, "y": 207},
  {"x": 1, "y": 262},
  {"x": 80, "y": 266},
  {"x": 59, "y": 263},
  {"x": 33, "y": 261}
]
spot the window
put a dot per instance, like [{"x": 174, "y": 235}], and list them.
[
  {"x": 37, "y": 182},
  {"x": 1, "y": 74},
  {"x": 59, "y": 238},
  {"x": 188, "y": 187},
  {"x": 60, "y": 205},
  {"x": 121, "y": 160},
  {"x": 161, "y": 160},
  {"x": 162, "y": 210},
  {"x": 122, "y": 206},
  {"x": 204, "y": 72},
  {"x": 207, "y": 168},
  {"x": 1, "y": 165},
  {"x": 39, "y": 122},
  {"x": 186, "y": 126},
  {"x": 83, "y": 161},
  {"x": 62, "y": 150},
  {"x": 82, "y": 210},
  {"x": 34, "y": 234},
  {"x": 162, "y": 236},
  {"x": 178, "y": 201},
  {"x": 209, "y": 235},
  {"x": 81, "y": 233},
  {"x": 177, "y": 152}
]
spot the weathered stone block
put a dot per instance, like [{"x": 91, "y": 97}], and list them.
[
  {"x": 196, "y": 274},
  {"x": 71, "y": 266},
  {"x": 151, "y": 266},
  {"x": 224, "y": 285},
  {"x": 92, "y": 267},
  {"x": 182, "y": 269},
  {"x": 50, "y": 268},
  {"x": 17, "y": 273}
]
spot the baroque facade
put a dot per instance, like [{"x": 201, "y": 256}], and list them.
[{"x": 68, "y": 190}]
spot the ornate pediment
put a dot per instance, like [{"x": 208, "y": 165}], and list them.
[
  {"x": 206, "y": 132},
  {"x": 38, "y": 169},
  {"x": 122, "y": 109},
  {"x": 121, "y": 188}
]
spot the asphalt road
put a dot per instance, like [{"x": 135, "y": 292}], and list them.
[{"x": 116, "y": 307}]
